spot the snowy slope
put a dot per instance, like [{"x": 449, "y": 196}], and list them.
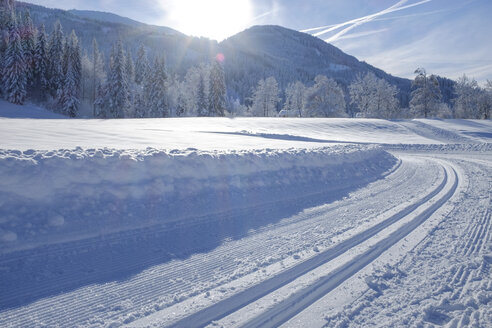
[
  {"x": 201, "y": 133},
  {"x": 244, "y": 222},
  {"x": 8, "y": 110}
]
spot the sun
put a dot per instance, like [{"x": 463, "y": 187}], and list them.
[{"x": 214, "y": 19}]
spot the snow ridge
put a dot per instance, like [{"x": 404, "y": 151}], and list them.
[{"x": 63, "y": 195}]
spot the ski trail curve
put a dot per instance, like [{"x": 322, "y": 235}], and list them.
[{"x": 297, "y": 302}]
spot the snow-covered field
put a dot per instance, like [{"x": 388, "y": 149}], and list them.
[{"x": 244, "y": 222}]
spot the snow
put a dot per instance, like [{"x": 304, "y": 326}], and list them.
[
  {"x": 243, "y": 222},
  {"x": 46, "y": 190},
  {"x": 8, "y": 110}
]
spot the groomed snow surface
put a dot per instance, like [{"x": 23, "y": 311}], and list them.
[{"x": 244, "y": 222}]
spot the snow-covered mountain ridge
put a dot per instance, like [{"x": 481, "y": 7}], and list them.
[{"x": 251, "y": 55}]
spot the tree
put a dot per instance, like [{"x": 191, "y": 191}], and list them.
[
  {"x": 69, "y": 93},
  {"x": 98, "y": 74},
  {"x": 265, "y": 98},
  {"x": 7, "y": 25},
  {"x": 361, "y": 93},
  {"x": 468, "y": 94},
  {"x": 130, "y": 67},
  {"x": 28, "y": 40},
  {"x": 55, "y": 56},
  {"x": 14, "y": 75},
  {"x": 41, "y": 61},
  {"x": 118, "y": 92},
  {"x": 426, "y": 96},
  {"x": 485, "y": 102},
  {"x": 325, "y": 98},
  {"x": 202, "y": 105},
  {"x": 217, "y": 90},
  {"x": 155, "y": 90},
  {"x": 142, "y": 66},
  {"x": 374, "y": 97},
  {"x": 295, "y": 98}
]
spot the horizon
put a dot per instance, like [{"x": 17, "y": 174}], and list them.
[{"x": 396, "y": 36}]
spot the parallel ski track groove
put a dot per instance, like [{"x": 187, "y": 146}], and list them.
[
  {"x": 241, "y": 299},
  {"x": 291, "y": 306}
]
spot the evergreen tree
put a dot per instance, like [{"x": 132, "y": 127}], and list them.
[
  {"x": 7, "y": 26},
  {"x": 117, "y": 84},
  {"x": 142, "y": 66},
  {"x": 14, "y": 75},
  {"x": 55, "y": 59},
  {"x": 41, "y": 61},
  {"x": 202, "y": 105},
  {"x": 155, "y": 90},
  {"x": 69, "y": 94},
  {"x": 101, "y": 102},
  {"x": 28, "y": 39},
  {"x": 217, "y": 90},
  {"x": 130, "y": 67},
  {"x": 98, "y": 74},
  {"x": 426, "y": 96}
]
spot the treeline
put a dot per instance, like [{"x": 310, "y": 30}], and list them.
[
  {"x": 371, "y": 97},
  {"x": 54, "y": 70}
]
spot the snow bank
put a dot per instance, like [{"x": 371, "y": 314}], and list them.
[{"x": 50, "y": 196}]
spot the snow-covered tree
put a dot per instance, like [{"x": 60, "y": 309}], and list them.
[
  {"x": 142, "y": 66},
  {"x": 426, "y": 94},
  {"x": 485, "y": 101},
  {"x": 14, "y": 72},
  {"x": 118, "y": 91},
  {"x": 155, "y": 90},
  {"x": 468, "y": 94},
  {"x": 98, "y": 74},
  {"x": 102, "y": 103},
  {"x": 295, "y": 98},
  {"x": 374, "y": 97},
  {"x": 55, "y": 59},
  {"x": 217, "y": 90},
  {"x": 69, "y": 93},
  {"x": 130, "y": 67},
  {"x": 265, "y": 98},
  {"x": 41, "y": 61},
  {"x": 385, "y": 100},
  {"x": 201, "y": 101},
  {"x": 7, "y": 25},
  {"x": 28, "y": 40},
  {"x": 325, "y": 98},
  {"x": 361, "y": 93}
]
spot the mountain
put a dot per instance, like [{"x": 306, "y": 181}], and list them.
[
  {"x": 263, "y": 51},
  {"x": 113, "y": 18},
  {"x": 181, "y": 51},
  {"x": 256, "y": 53}
]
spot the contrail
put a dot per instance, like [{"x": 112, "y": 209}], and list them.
[
  {"x": 360, "y": 21},
  {"x": 337, "y": 26}
]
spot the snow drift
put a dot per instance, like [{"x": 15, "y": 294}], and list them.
[{"x": 54, "y": 196}]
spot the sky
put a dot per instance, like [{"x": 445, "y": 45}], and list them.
[{"x": 446, "y": 37}]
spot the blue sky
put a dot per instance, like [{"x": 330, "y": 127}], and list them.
[{"x": 447, "y": 37}]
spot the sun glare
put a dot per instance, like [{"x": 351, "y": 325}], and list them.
[{"x": 215, "y": 19}]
